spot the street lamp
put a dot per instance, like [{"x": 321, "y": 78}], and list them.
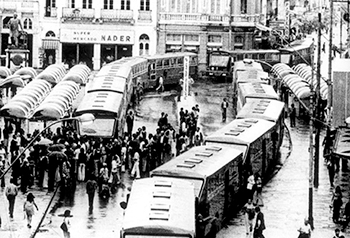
[{"x": 85, "y": 119}]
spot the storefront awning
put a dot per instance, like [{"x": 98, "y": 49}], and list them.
[
  {"x": 262, "y": 27},
  {"x": 50, "y": 44}
]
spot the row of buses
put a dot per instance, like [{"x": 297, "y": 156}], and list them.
[
  {"x": 221, "y": 62},
  {"x": 111, "y": 90},
  {"x": 216, "y": 172}
]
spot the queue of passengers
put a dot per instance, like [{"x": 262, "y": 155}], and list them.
[{"x": 73, "y": 158}]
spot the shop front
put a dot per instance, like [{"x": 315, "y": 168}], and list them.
[{"x": 95, "y": 47}]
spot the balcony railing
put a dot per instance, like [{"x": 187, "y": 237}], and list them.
[
  {"x": 145, "y": 16},
  {"x": 77, "y": 13},
  {"x": 209, "y": 18},
  {"x": 117, "y": 15}
]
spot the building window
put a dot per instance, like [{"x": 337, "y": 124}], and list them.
[
  {"x": 173, "y": 37},
  {"x": 125, "y": 5},
  {"x": 27, "y": 24},
  {"x": 71, "y": 3},
  {"x": 87, "y": 4},
  {"x": 214, "y": 39},
  {"x": 191, "y": 38},
  {"x": 244, "y": 6},
  {"x": 239, "y": 39},
  {"x": 144, "y": 44},
  {"x": 50, "y": 34},
  {"x": 108, "y": 4},
  {"x": 49, "y": 5},
  {"x": 144, "y": 5}
]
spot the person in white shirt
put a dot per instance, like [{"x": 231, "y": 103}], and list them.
[{"x": 160, "y": 84}]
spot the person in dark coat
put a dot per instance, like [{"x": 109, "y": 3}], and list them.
[
  {"x": 91, "y": 186},
  {"x": 25, "y": 175},
  {"x": 130, "y": 122},
  {"x": 259, "y": 224},
  {"x": 292, "y": 115}
]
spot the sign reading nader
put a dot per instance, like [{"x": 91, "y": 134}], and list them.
[{"x": 97, "y": 36}]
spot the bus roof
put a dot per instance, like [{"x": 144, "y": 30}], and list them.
[
  {"x": 266, "y": 109},
  {"x": 241, "y": 131},
  {"x": 251, "y": 76},
  {"x": 170, "y": 55},
  {"x": 107, "y": 83},
  {"x": 100, "y": 103},
  {"x": 257, "y": 90},
  {"x": 199, "y": 162},
  {"x": 247, "y": 64},
  {"x": 116, "y": 68},
  {"x": 160, "y": 207}
]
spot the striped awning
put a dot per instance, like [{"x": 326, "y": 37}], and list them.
[{"x": 50, "y": 44}]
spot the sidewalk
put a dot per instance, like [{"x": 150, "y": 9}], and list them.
[{"x": 286, "y": 195}]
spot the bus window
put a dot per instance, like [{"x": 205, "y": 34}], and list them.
[
  {"x": 180, "y": 61},
  {"x": 262, "y": 56},
  {"x": 166, "y": 62},
  {"x": 254, "y": 56},
  {"x": 159, "y": 63},
  {"x": 172, "y": 62},
  {"x": 239, "y": 57}
]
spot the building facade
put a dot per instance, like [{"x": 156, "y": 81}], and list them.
[
  {"x": 86, "y": 31},
  {"x": 98, "y": 31},
  {"x": 201, "y": 26}
]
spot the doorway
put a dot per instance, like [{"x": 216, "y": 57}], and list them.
[{"x": 124, "y": 51}]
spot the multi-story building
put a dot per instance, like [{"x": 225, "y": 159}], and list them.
[
  {"x": 201, "y": 26},
  {"x": 89, "y": 31},
  {"x": 96, "y": 31}
]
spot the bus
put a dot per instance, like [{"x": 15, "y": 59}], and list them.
[
  {"x": 219, "y": 65},
  {"x": 251, "y": 136},
  {"x": 160, "y": 207},
  {"x": 254, "y": 90},
  {"x": 267, "y": 109},
  {"x": 215, "y": 171}
]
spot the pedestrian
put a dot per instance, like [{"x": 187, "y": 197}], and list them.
[
  {"x": 91, "y": 186},
  {"x": 135, "y": 172},
  {"x": 224, "y": 106},
  {"x": 292, "y": 115},
  {"x": 66, "y": 225},
  {"x": 11, "y": 192},
  {"x": 305, "y": 230},
  {"x": 249, "y": 214},
  {"x": 337, "y": 233},
  {"x": 250, "y": 186},
  {"x": 324, "y": 47},
  {"x": 337, "y": 202},
  {"x": 346, "y": 215},
  {"x": 160, "y": 84},
  {"x": 82, "y": 159},
  {"x": 130, "y": 122},
  {"x": 2, "y": 172},
  {"x": 257, "y": 198},
  {"x": 259, "y": 224},
  {"x": 25, "y": 175},
  {"x": 103, "y": 176},
  {"x": 28, "y": 208},
  {"x": 330, "y": 168}
]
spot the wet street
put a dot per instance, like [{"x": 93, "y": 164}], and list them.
[{"x": 285, "y": 196}]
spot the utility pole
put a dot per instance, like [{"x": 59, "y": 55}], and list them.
[
  {"x": 341, "y": 35},
  {"x": 311, "y": 151},
  {"x": 317, "y": 111},
  {"x": 230, "y": 28},
  {"x": 329, "y": 80}
]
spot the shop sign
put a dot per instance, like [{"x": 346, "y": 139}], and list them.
[{"x": 95, "y": 36}]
